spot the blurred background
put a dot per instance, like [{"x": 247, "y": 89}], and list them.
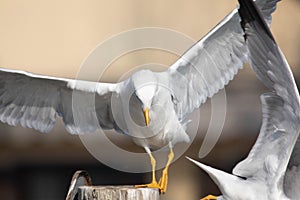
[{"x": 54, "y": 37}]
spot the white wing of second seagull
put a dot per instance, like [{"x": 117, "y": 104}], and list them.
[
  {"x": 272, "y": 169},
  {"x": 34, "y": 101}
]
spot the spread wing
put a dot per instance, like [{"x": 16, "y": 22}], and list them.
[
  {"x": 269, "y": 157},
  {"x": 212, "y": 62},
  {"x": 34, "y": 101}
]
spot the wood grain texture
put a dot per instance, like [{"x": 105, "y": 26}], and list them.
[{"x": 117, "y": 193}]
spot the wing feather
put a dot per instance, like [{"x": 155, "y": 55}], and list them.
[
  {"x": 212, "y": 62},
  {"x": 272, "y": 153},
  {"x": 34, "y": 101}
]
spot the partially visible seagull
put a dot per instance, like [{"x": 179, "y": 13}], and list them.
[
  {"x": 34, "y": 101},
  {"x": 272, "y": 169}
]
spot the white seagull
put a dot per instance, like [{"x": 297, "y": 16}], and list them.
[
  {"x": 34, "y": 101},
  {"x": 272, "y": 169}
]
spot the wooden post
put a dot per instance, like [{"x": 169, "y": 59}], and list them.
[{"x": 117, "y": 193}]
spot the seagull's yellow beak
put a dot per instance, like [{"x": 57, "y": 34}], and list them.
[{"x": 146, "y": 115}]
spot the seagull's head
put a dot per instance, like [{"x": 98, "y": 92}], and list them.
[{"x": 145, "y": 84}]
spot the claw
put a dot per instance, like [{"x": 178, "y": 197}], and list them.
[
  {"x": 209, "y": 197},
  {"x": 163, "y": 182},
  {"x": 150, "y": 185},
  {"x": 154, "y": 183}
]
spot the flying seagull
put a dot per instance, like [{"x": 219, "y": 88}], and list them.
[
  {"x": 34, "y": 101},
  {"x": 272, "y": 168}
]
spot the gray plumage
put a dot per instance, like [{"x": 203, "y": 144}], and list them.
[{"x": 272, "y": 166}]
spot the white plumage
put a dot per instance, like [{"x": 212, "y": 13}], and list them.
[
  {"x": 271, "y": 170},
  {"x": 151, "y": 107}
]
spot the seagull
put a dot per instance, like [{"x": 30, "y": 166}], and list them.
[
  {"x": 272, "y": 168},
  {"x": 150, "y": 107}
]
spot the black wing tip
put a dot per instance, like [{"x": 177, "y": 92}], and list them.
[{"x": 250, "y": 14}]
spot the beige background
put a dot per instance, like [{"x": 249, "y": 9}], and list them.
[{"x": 54, "y": 37}]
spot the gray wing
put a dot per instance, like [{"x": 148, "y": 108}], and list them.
[
  {"x": 269, "y": 157},
  {"x": 34, "y": 101},
  {"x": 212, "y": 62},
  {"x": 292, "y": 176}
]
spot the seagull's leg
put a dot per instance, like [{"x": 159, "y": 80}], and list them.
[
  {"x": 153, "y": 183},
  {"x": 163, "y": 182},
  {"x": 209, "y": 197}
]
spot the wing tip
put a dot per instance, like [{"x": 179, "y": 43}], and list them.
[{"x": 250, "y": 13}]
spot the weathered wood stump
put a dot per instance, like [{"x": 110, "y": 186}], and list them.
[
  {"x": 81, "y": 189},
  {"x": 117, "y": 193}
]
